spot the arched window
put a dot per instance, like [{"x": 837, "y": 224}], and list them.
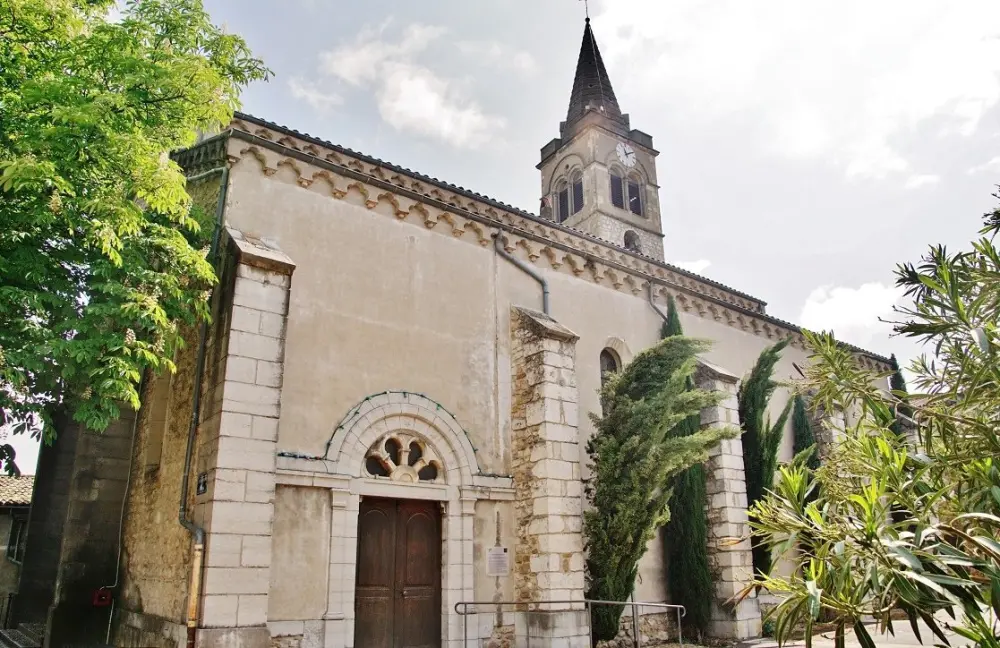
[
  {"x": 569, "y": 196},
  {"x": 634, "y": 195},
  {"x": 577, "y": 192},
  {"x": 632, "y": 242},
  {"x": 617, "y": 189},
  {"x": 626, "y": 192},
  {"x": 562, "y": 200},
  {"x": 609, "y": 364}
]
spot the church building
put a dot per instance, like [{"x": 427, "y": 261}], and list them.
[{"x": 380, "y": 437}]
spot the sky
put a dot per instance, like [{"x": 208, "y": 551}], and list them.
[{"x": 806, "y": 146}]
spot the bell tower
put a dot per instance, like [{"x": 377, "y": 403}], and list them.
[{"x": 599, "y": 175}]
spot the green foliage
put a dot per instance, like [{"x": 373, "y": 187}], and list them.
[
  {"x": 635, "y": 457},
  {"x": 896, "y": 527},
  {"x": 803, "y": 438},
  {"x": 897, "y": 384},
  {"x": 99, "y": 249},
  {"x": 686, "y": 534},
  {"x": 760, "y": 438}
]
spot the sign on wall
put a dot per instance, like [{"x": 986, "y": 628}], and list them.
[{"x": 498, "y": 562}]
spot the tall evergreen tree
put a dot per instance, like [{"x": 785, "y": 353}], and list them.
[
  {"x": 898, "y": 385},
  {"x": 635, "y": 459},
  {"x": 685, "y": 537},
  {"x": 803, "y": 438},
  {"x": 760, "y": 438}
]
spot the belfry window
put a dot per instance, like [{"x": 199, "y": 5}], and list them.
[
  {"x": 626, "y": 192},
  {"x": 569, "y": 197},
  {"x": 609, "y": 364},
  {"x": 577, "y": 192},
  {"x": 562, "y": 201},
  {"x": 617, "y": 190},
  {"x": 634, "y": 196}
]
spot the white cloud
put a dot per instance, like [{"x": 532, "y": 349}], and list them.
[
  {"x": 495, "y": 54},
  {"x": 410, "y": 96},
  {"x": 852, "y": 313},
  {"x": 917, "y": 181},
  {"x": 308, "y": 91},
  {"x": 836, "y": 80},
  {"x": 696, "y": 267},
  {"x": 993, "y": 166},
  {"x": 360, "y": 62}
]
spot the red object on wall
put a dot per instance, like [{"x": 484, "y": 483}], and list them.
[{"x": 101, "y": 597}]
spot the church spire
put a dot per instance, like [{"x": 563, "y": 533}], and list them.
[{"x": 591, "y": 87}]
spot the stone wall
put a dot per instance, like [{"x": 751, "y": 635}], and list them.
[
  {"x": 549, "y": 564},
  {"x": 40, "y": 566},
  {"x": 729, "y": 555}
]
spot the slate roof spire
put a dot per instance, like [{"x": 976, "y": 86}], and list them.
[{"x": 591, "y": 87}]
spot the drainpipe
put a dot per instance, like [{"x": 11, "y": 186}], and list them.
[
  {"x": 197, "y": 532},
  {"x": 524, "y": 267},
  {"x": 652, "y": 303}
]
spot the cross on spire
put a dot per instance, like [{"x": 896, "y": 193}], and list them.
[{"x": 586, "y": 8}]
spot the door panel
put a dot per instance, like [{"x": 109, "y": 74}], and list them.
[
  {"x": 373, "y": 598},
  {"x": 418, "y": 576},
  {"x": 398, "y": 597}
]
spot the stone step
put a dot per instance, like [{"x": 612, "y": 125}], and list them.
[
  {"x": 35, "y": 631},
  {"x": 17, "y": 639}
]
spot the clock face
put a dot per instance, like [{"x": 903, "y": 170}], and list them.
[{"x": 626, "y": 154}]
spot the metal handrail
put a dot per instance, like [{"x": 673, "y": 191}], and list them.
[{"x": 462, "y": 609}]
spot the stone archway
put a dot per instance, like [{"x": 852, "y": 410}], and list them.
[{"x": 381, "y": 429}]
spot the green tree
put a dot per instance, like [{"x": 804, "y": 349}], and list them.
[
  {"x": 635, "y": 458},
  {"x": 101, "y": 253},
  {"x": 897, "y": 384},
  {"x": 897, "y": 527},
  {"x": 803, "y": 438},
  {"x": 686, "y": 535},
  {"x": 760, "y": 438}
]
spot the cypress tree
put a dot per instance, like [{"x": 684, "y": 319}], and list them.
[
  {"x": 804, "y": 438},
  {"x": 635, "y": 459},
  {"x": 898, "y": 385},
  {"x": 685, "y": 537},
  {"x": 760, "y": 438}
]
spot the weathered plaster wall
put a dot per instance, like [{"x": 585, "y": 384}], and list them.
[
  {"x": 9, "y": 571},
  {"x": 155, "y": 575},
  {"x": 301, "y": 544}
]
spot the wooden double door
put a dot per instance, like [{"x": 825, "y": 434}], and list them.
[{"x": 398, "y": 587}]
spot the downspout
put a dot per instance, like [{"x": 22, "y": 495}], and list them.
[
  {"x": 524, "y": 267},
  {"x": 652, "y": 303},
  {"x": 197, "y": 532},
  {"x": 121, "y": 518}
]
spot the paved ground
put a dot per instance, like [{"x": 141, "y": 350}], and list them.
[{"x": 903, "y": 638}]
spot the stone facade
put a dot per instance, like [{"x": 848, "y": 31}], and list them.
[
  {"x": 729, "y": 555},
  {"x": 548, "y": 490}
]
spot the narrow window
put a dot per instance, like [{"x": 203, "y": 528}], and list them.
[
  {"x": 577, "y": 192},
  {"x": 632, "y": 242},
  {"x": 634, "y": 199},
  {"x": 562, "y": 197},
  {"x": 609, "y": 364},
  {"x": 617, "y": 191}
]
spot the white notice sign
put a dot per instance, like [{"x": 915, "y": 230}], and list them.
[{"x": 498, "y": 562}]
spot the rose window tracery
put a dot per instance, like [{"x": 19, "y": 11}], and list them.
[{"x": 403, "y": 457}]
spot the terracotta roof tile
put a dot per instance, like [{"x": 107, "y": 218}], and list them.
[{"x": 16, "y": 491}]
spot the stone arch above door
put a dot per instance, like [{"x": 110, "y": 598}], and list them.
[{"x": 403, "y": 413}]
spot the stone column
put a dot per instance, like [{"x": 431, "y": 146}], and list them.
[
  {"x": 548, "y": 558},
  {"x": 729, "y": 553},
  {"x": 236, "y": 456}
]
